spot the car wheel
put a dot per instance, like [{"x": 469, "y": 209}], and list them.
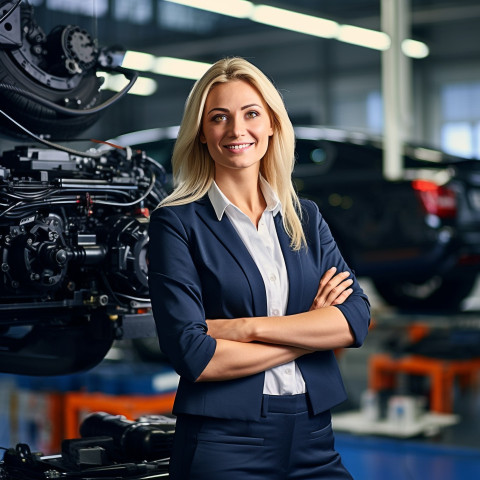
[{"x": 437, "y": 293}]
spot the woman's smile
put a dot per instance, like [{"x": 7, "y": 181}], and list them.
[{"x": 238, "y": 147}]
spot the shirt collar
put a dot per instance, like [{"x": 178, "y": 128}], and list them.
[{"x": 220, "y": 202}]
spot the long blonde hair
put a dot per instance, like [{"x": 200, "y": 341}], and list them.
[{"x": 193, "y": 167}]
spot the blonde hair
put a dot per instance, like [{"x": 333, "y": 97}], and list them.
[{"x": 193, "y": 167}]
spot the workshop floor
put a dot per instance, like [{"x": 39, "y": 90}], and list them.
[
  {"x": 450, "y": 454},
  {"x": 371, "y": 458}
]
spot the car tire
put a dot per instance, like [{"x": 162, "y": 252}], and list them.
[{"x": 437, "y": 293}]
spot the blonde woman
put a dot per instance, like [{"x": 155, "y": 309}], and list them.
[{"x": 249, "y": 292}]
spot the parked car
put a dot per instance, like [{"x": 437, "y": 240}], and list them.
[{"x": 417, "y": 239}]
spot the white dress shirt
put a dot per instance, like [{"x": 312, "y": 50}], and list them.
[{"x": 264, "y": 247}]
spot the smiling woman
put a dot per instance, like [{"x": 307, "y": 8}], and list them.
[
  {"x": 249, "y": 292},
  {"x": 236, "y": 128}
]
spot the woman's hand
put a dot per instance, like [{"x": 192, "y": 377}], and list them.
[{"x": 333, "y": 289}]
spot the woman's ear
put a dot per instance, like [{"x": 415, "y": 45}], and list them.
[
  {"x": 202, "y": 138},
  {"x": 270, "y": 132}
]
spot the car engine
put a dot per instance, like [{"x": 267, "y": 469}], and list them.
[
  {"x": 73, "y": 237},
  {"x": 73, "y": 224}
]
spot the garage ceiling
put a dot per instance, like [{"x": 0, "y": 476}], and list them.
[
  {"x": 305, "y": 66},
  {"x": 173, "y": 27}
]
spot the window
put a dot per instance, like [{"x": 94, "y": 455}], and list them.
[
  {"x": 375, "y": 112},
  {"x": 460, "y": 130},
  {"x": 457, "y": 138}
]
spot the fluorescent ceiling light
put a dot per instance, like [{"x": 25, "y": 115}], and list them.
[
  {"x": 308, "y": 24},
  {"x": 143, "y": 86},
  {"x": 364, "y": 37},
  {"x": 174, "y": 67},
  {"x": 232, "y": 8},
  {"x": 138, "y": 61},
  {"x": 298, "y": 22},
  {"x": 415, "y": 49},
  {"x": 177, "y": 67}
]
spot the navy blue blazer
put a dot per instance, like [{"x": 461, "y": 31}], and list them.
[{"x": 199, "y": 268}]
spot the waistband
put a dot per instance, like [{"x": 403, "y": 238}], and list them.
[{"x": 285, "y": 403}]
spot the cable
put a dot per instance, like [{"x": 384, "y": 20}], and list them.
[
  {"x": 10, "y": 208},
  {"x": 51, "y": 144},
  {"x": 131, "y": 75},
  {"x": 130, "y": 297},
  {"x": 129, "y": 204}
]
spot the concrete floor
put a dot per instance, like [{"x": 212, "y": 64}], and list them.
[{"x": 451, "y": 453}]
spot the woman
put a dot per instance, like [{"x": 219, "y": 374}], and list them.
[{"x": 249, "y": 292}]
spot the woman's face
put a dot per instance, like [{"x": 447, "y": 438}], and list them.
[{"x": 236, "y": 126}]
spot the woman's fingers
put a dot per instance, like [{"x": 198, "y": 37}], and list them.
[
  {"x": 326, "y": 277},
  {"x": 333, "y": 289},
  {"x": 337, "y": 291},
  {"x": 343, "y": 296}
]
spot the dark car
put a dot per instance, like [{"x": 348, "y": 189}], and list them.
[{"x": 417, "y": 239}]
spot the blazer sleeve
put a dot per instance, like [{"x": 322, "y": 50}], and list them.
[
  {"x": 176, "y": 296},
  {"x": 356, "y": 309}
]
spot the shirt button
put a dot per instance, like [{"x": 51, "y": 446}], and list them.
[
  {"x": 273, "y": 278},
  {"x": 288, "y": 371},
  {"x": 275, "y": 311}
]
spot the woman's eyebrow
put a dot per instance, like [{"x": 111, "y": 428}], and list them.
[
  {"x": 251, "y": 105},
  {"x": 221, "y": 109}
]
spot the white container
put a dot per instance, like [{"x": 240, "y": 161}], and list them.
[
  {"x": 370, "y": 406},
  {"x": 404, "y": 409}
]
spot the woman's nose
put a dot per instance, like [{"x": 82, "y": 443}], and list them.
[{"x": 237, "y": 127}]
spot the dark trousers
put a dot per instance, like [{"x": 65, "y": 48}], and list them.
[{"x": 287, "y": 443}]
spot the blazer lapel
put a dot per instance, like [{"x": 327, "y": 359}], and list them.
[
  {"x": 228, "y": 237},
  {"x": 294, "y": 268}
]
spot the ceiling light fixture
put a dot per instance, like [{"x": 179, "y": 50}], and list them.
[
  {"x": 232, "y": 8},
  {"x": 178, "y": 67},
  {"x": 298, "y": 22},
  {"x": 364, "y": 37},
  {"x": 415, "y": 49},
  {"x": 307, "y": 24},
  {"x": 143, "y": 62},
  {"x": 173, "y": 67}
]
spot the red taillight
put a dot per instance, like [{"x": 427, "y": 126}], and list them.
[
  {"x": 145, "y": 212},
  {"x": 436, "y": 199}
]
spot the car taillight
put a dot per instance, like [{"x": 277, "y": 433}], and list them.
[{"x": 436, "y": 199}]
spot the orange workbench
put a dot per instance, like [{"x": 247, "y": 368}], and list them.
[
  {"x": 79, "y": 404},
  {"x": 383, "y": 370}
]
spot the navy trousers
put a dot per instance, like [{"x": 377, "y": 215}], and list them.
[{"x": 287, "y": 443}]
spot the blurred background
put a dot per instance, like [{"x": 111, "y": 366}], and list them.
[
  {"x": 385, "y": 99},
  {"x": 323, "y": 80}
]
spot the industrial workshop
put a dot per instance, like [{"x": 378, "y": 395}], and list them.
[{"x": 239, "y": 239}]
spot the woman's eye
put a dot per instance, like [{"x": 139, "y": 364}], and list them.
[
  {"x": 252, "y": 114},
  {"x": 219, "y": 118}
]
